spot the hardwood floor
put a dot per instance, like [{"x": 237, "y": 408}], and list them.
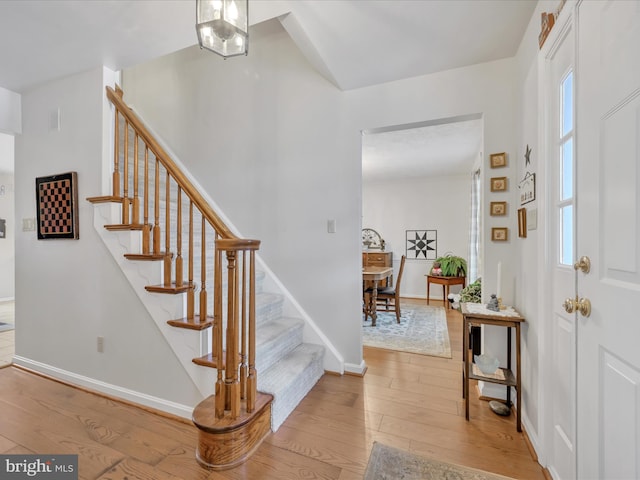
[{"x": 404, "y": 400}]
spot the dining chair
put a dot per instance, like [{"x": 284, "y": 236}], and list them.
[{"x": 388, "y": 298}]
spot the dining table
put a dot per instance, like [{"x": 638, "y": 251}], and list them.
[{"x": 374, "y": 274}]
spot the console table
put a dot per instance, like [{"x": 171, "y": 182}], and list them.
[
  {"x": 446, "y": 282},
  {"x": 503, "y": 376}
]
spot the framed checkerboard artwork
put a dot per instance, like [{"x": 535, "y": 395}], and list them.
[
  {"x": 422, "y": 244},
  {"x": 57, "y": 201}
]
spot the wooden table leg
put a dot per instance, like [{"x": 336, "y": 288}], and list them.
[
  {"x": 518, "y": 382},
  {"x": 428, "y": 285},
  {"x": 465, "y": 371},
  {"x": 374, "y": 305}
]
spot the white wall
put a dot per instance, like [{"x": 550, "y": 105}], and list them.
[
  {"x": 69, "y": 292},
  {"x": 432, "y": 203},
  {"x": 10, "y": 112},
  {"x": 530, "y": 250},
  {"x": 279, "y": 149}
]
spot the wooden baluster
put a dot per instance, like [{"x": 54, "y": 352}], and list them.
[
  {"x": 252, "y": 377},
  {"x": 190, "y": 292},
  {"x": 156, "y": 207},
  {"x": 167, "y": 236},
  {"x": 146, "y": 229},
  {"x": 243, "y": 332},
  {"x": 116, "y": 157},
  {"x": 231, "y": 371},
  {"x": 217, "y": 335},
  {"x": 126, "y": 202},
  {"x": 136, "y": 201},
  {"x": 203, "y": 274},
  {"x": 179, "y": 261}
]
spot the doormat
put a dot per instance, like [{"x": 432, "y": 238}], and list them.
[{"x": 388, "y": 463}]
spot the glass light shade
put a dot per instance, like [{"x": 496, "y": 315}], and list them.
[{"x": 223, "y": 26}]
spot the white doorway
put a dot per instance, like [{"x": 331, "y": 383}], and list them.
[
  {"x": 415, "y": 178},
  {"x": 7, "y": 250},
  {"x": 7, "y": 218},
  {"x": 560, "y": 130}
]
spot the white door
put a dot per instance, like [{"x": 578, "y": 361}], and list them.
[
  {"x": 608, "y": 231},
  {"x": 559, "y": 82}
]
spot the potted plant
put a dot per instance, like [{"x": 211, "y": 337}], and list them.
[
  {"x": 452, "y": 266},
  {"x": 472, "y": 293}
]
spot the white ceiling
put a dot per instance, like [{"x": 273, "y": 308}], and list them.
[
  {"x": 353, "y": 43},
  {"x": 435, "y": 149}
]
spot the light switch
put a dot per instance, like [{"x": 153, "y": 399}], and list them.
[
  {"x": 331, "y": 226},
  {"x": 532, "y": 219}
]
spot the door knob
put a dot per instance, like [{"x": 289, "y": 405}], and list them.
[
  {"x": 568, "y": 305},
  {"x": 583, "y": 264},
  {"x": 582, "y": 305}
]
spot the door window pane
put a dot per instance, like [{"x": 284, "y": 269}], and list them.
[
  {"x": 567, "y": 170},
  {"x": 567, "y": 104},
  {"x": 566, "y": 247}
]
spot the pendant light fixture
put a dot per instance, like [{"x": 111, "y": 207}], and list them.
[{"x": 223, "y": 26}]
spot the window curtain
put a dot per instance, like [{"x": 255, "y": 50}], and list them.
[{"x": 474, "y": 233}]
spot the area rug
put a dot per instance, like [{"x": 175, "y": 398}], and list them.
[
  {"x": 6, "y": 326},
  {"x": 388, "y": 463},
  {"x": 422, "y": 329}
]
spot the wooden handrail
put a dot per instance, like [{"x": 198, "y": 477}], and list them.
[
  {"x": 167, "y": 163},
  {"x": 236, "y": 374}
]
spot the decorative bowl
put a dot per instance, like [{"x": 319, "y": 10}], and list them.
[{"x": 487, "y": 364}]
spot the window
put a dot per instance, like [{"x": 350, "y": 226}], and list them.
[{"x": 566, "y": 166}]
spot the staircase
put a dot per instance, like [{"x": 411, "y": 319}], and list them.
[{"x": 200, "y": 284}]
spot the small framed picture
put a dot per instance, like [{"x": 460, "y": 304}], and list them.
[
  {"x": 527, "y": 188},
  {"x": 522, "y": 222},
  {"x": 498, "y": 209},
  {"x": 499, "y": 234},
  {"x": 498, "y": 184},
  {"x": 498, "y": 160}
]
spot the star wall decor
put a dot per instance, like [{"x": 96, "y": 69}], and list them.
[
  {"x": 527, "y": 158},
  {"x": 422, "y": 244}
]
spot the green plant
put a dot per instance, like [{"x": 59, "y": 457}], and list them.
[
  {"x": 452, "y": 266},
  {"x": 472, "y": 293}
]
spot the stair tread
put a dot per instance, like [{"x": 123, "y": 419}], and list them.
[
  {"x": 290, "y": 380},
  {"x": 171, "y": 289},
  {"x": 194, "y": 324},
  {"x": 124, "y": 226},
  {"x": 275, "y": 339},
  {"x": 289, "y": 367},
  {"x": 270, "y": 331},
  {"x": 147, "y": 256},
  {"x": 105, "y": 199}
]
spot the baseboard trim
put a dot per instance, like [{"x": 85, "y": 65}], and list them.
[
  {"x": 141, "y": 400},
  {"x": 353, "y": 369}
]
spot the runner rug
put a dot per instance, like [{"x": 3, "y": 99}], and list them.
[
  {"x": 422, "y": 329},
  {"x": 388, "y": 463}
]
